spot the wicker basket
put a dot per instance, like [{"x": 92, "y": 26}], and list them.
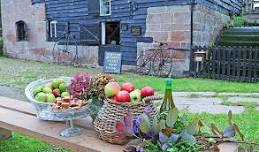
[{"x": 112, "y": 113}]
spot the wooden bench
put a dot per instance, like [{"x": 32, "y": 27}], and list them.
[{"x": 19, "y": 116}]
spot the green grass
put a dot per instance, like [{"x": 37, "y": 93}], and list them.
[
  {"x": 247, "y": 121},
  {"x": 19, "y": 73},
  {"x": 21, "y": 143}
]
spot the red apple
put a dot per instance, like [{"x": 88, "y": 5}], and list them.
[
  {"x": 111, "y": 89},
  {"x": 56, "y": 92},
  {"x": 123, "y": 96},
  {"x": 128, "y": 87},
  {"x": 147, "y": 91}
]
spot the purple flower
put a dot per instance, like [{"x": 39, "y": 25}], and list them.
[
  {"x": 138, "y": 121},
  {"x": 140, "y": 149},
  {"x": 164, "y": 146},
  {"x": 148, "y": 109},
  {"x": 135, "y": 128}
]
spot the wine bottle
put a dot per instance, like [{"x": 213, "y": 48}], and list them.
[{"x": 168, "y": 102}]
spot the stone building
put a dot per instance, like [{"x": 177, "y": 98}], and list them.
[{"x": 39, "y": 30}]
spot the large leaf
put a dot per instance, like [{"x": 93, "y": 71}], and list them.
[
  {"x": 156, "y": 126},
  {"x": 239, "y": 132},
  {"x": 162, "y": 137},
  {"x": 174, "y": 138},
  {"x": 216, "y": 131},
  {"x": 162, "y": 124},
  {"x": 191, "y": 128},
  {"x": 133, "y": 144},
  {"x": 230, "y": 115},
  {"x": 171, "y": 117},
  {"x": 229, "y": 132},
  {"x": 188, "y": 138},
  {"x": 145, "y": 125}
]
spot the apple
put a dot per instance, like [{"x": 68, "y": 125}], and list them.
[
  {"x": 49, "y": 85},
  {"x": 36, "y": 91},
  {"x": 112, "y": 89},
  {"x": 55, "y": 84},
  {"x": 47, "y": 90},
  {"x": 123, "y": 96},
  {"x": 56, "y": 92},
  {"x": 65, "y": 94},
  {"x": 41, "y": 97},
  {"x": 128, "y": 87},
  {"x": 62, "y": 87},
  {"x": 147, "y": 91},
  {"x": 135, "y": 96},
  {"x": 50, "y": 98}
]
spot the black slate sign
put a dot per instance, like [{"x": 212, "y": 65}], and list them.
[{"x": 112, "y": 62}]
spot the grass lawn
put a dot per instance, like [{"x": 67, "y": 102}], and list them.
[{"x": 18, "y": 73}]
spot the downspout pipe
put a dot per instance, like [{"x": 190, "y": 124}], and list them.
[{"x": 193, "y": 3}]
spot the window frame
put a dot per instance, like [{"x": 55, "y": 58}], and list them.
[
  {"x": 50, "y": 33},
  {"x": 21, "y": 25},
  {"x": 101, "y": 7}
]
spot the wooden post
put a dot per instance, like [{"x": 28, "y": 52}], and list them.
[{"x": 5, "y": 134}]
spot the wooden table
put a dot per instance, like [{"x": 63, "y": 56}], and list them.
[{"x": 20, "y": 116}]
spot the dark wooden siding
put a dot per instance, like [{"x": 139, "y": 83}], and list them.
[
  {"x": 37, "y": 1},
  {"x": 76, "y": 11}
]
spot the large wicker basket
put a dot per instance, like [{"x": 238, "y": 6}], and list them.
[{"x": 111, "y": 113}]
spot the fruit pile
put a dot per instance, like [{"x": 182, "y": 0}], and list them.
[
  {"x": 127, "y": 93},
  {"x": 51, "y": 91},
  {"x": 69, "y": 103}
]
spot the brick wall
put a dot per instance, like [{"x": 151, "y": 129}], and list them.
[
  {"x": 207, "y": 24},
  {"x": 170, "y": 24},
  {"x": 36, "y": 48}
]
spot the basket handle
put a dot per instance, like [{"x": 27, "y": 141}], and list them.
[{"x": 147, "y": 100}]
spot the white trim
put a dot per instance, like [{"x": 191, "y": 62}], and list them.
[
  {"x": 110, "y": 7},
  {"x": 53, "y": 23},
  {"x": 103, "y": 36}
]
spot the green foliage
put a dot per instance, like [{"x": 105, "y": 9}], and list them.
[
  {"x": 14, "y": 73},
  {"x": 238, "y": 21}
]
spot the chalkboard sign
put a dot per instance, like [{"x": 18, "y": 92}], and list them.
[{"x": 112, "y": 62}]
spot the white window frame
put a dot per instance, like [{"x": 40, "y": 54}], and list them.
[
  {"x": 51, "y": 24},
  {"x": 102, "y": 13}
]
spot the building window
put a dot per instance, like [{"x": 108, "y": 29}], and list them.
[
  {"x": 53, "y": 29},
  {"x": 21, "y": 31},
  {"x": 105, "y": 7}
]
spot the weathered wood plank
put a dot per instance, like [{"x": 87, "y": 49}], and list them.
[{"x": 49, "y": 131}]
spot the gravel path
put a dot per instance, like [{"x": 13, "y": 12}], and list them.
[{"x": 196, "y": 102}]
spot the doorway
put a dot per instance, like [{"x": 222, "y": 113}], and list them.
[{"x": 110, "y": 39}]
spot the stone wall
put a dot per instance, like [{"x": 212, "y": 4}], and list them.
[
  {"x": 170, "y": 24},
  {"x": 207, "y": 24},
  {"x": 37, "y": 47}
]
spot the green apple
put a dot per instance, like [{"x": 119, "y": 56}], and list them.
[
  {"x": 47, "y": 90},
  {"x": 37, "y": 90},
  {"x": 65, "y": 94},
  {"x": 55, "y": 84},
  {"x": 50, "y": 98},
  {"x": 62, "y": 87},
  {"x": 135, "y": 96},
  {"x": 41, "y": 97},
  {"x": 112, "y": 89}
]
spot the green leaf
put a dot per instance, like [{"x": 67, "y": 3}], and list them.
[
  {"x": 190, "y": 139},
  {"x": 156, "y": 126},
  {"x": 238, "y": 131},
  {"x": 230, "y": 115},
  {"x": 162, "y": 124},
  {"x": 145, "y": 125},
  {"x": 191, "y": 128},
  {"x": 172, "y": 117}
]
